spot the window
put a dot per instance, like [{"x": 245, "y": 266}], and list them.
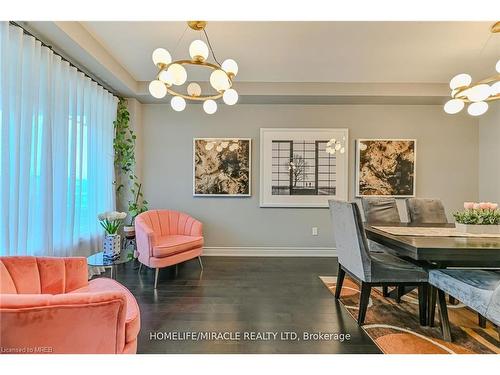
[{"x": 56, "y": 138}]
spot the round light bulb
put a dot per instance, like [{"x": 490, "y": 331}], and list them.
[
  {"x": 460, "y": 80},
  {"x": 157, "y": 89},
  {"x": 166, "y": 77},
  {"x": 210, "y": 106},
  {"x": 495, "y": 88},
  {"x": 453, "y": 106},
  {"x": 477, "y": 109},
  {"x": 178, "y": 103},
  {"x": 194, "y": 89},
  {"x": 478, "y": 93},
  {"x": 497, "y": 67},
  {"x": 230, "y": 66},
  {"x": 230, "y": 97},
  {"x": 219, "y": 80},
  {"x": 178, "y": 72},
  {"x": 161, "y": 56},
  {"x": 198, "y": 50}
]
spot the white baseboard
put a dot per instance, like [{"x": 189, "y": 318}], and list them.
[{"x": 269, "y": 251}]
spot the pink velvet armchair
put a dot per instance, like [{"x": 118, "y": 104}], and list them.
[
  {"x": 47, "y": 305},
  {"x": 165, "y": 238}
]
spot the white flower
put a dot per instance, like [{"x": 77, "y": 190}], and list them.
[
  {"x": 102, "y": 216},
  {"x": 111, "y": 216}
]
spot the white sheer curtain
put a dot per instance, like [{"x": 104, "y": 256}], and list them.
[{"x": 56, "y": 162}]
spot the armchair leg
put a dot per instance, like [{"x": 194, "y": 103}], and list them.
[
  {"x": 443, "y": 316},
  {"x": 201, "y": 263},
  {"x": 340, "y": 281},
  {"x": 157, "y": 271},
  {"x": 366, "y": 289}
]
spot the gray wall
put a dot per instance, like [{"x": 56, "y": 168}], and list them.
[
  {"x": 447, "y": 160},
  {"x": 489, "y": 155}
]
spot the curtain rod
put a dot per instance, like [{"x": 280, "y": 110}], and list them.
[{"x": 67, "y": 59}]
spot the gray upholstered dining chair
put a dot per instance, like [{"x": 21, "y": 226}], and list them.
[
  {"x": 478, "y": 289},
  {"x": 370, "y": 269},
  {"x": 380, "y": 210},
  {"x": 425, "y": 211}
]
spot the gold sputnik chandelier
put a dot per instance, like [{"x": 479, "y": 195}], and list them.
[
  {"x": 173, "y": 73},
  {"x": 476, "y": 95}
]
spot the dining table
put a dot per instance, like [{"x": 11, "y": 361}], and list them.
[{"x": 437, "y": 245}]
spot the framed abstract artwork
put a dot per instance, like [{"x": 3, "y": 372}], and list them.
[
  {"x": 303, "y": 167},
  {"x": 222, "y": 167},
  {"x": 386, "y": 167}
]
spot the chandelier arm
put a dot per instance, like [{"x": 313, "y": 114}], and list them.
[
  {"x": 200, "y": 98},
  {"x": 193, "y": 62},
  {"x": 489, "y": 79},
  {"x": 460, "y": 90}
]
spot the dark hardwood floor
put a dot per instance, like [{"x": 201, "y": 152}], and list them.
[{"x": 238, "y": 294}]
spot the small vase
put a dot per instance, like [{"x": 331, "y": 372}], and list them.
[
  {"x": 112, "y": 246},
  {"x": 129, "y": 231}
]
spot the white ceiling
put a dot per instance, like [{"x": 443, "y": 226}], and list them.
[{"x": 423, "y": 52}]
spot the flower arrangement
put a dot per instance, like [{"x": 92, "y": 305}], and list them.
[
  {"x": 483, "y": 213},
  {"x": 111, "y": 221}
]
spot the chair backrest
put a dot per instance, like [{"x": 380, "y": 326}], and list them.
[
  {"x": 350, "y": 238},
  {"x": 169, "y": 222},
  {"x": 425, "y": 211},
  {"x": 42, "y": 275},
  {"x": 380, "y": 210}
]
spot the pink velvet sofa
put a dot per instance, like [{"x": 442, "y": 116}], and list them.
[
  {"x": 165, "y": 238},
  {"x": 47, "y": 305}
]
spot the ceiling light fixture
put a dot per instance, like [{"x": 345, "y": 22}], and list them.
[
  {"x": 475, "y": 94},
  {"x": 334, "y": 145},
  {"x": 174, "y": 73}
]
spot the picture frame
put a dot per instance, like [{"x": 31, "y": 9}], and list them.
[
  {"x": 324, "y": 176},
  {"x": 227, "y": 173},
  {"x": 398, "y": 154}
]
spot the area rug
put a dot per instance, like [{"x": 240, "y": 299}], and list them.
[{"x": 395, "y": 328}]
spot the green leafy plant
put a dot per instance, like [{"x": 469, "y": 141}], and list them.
[
  {"x": 478, "y": 214},
  {"x": 134, "y": 207},
  {"x": 111, "y": 221},
  {"x": 124, "y": 148}
]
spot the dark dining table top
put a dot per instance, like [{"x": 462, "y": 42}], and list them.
[{"x": 444, "y": 251}]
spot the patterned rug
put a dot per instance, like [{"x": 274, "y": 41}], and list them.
[{"x": 395, "y": 328}]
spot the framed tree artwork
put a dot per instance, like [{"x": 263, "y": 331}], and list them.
[
  {"x": 222, "y": 167},
  {"x": 386, "y": 167},
  {"x": 301, "y": 167}
]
